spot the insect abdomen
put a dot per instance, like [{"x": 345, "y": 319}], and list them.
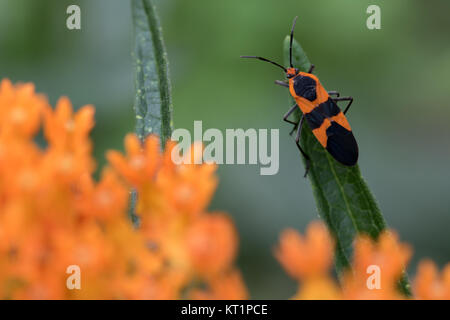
[
  {"x": 341, "y": 144},
  {"x": 331, "y": 128}
]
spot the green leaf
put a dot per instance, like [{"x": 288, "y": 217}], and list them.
[
  {"x": 342, "y": 196},
  {"x": 153, "y": 101}
]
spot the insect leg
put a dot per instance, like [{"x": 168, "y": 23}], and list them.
[
  {"x": 281, "y": 83},
  {"x": 349, "y": 99},
  {"x": 297, "y": 142},
  {"x": 293, "y": 129},
  {"x": 286, "y": 116},
  {"x": 330, "y": 93},
  {"x": 311, "y": 69}
]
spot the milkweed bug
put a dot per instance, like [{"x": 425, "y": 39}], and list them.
[{"x": 326, "y": 120}]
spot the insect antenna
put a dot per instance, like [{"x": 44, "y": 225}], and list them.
[
  {"x": 266, "y": 60},
  {"x": 292, "y": 38}
]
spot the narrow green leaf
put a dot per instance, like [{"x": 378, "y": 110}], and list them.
[
  {"x": 342, "y": 196},
  {"x": 153, "y": 101}
]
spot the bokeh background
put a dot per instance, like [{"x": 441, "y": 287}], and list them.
[{"x": 399, "y": 77}]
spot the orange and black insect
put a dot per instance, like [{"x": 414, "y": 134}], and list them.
[{"x": 326, "y": 120}]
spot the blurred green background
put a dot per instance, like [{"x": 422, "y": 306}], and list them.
[{"x": 399, "y": 77}]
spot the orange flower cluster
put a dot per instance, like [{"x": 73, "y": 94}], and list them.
[
  {"x": 376, "y": 269},
  {"x": 64, "y": 235},
  {"x": 197, "y": 248},
  {"x": 54, "y": 215}
]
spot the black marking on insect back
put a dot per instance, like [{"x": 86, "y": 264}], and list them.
[
  {"x": 324, "y": 110},
  {"x": 328, "y": 108},
  {"x": 305, "y": 87},
  {"x": 341, "y": 144},
  {"x": 314, "y": 118}
]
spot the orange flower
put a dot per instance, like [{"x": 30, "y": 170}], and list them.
[
  {"x": 308, "y": 259},
  {"x": 187, "y": 188},
  {"x": 385, "y": 259},
  {"x": 69, "y": 152},
  {"x": 106, "y": 200},
  {"x": 387, "y": 253},
  {"x": 18, "y": 172},
  {"x": 88, "y": 248},
  {"x": 20, "y": 109},
  {"x": 308, "y": 256},
  {"x": 141, "y": 162},
  {"x": 429, "y": 284},
  {"x": 211, "y": 243},
  {"x": 67, "y": 131},
  {"x": 376, "y": 268}
]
